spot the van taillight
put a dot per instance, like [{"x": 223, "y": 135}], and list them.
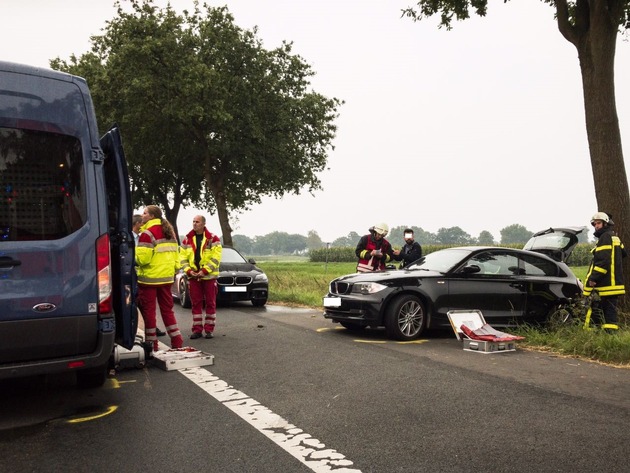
[{"x": 103, "y": 268}]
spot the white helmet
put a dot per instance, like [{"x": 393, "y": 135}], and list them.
[
  {"x": 381, "y": 229},
  {"x": 600, "y": 216}
]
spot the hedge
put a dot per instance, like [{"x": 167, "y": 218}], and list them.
[{"x": 581, "y": 255}]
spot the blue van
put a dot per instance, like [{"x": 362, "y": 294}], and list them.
[{"x": 67, "y": 279}]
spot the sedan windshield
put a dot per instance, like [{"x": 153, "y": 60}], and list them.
[
  {"x": 230, "y": 255},
  {"x": 441, "y": 261}
]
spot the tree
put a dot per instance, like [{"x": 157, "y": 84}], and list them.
[
  {"x": 243, "y": 243},
  {"x": 515, "y": 233},
  {"x": 485, "y": 238},
  {"x": 592, "y": 27},
  {"x": 313, "y": 241},
  {"x": 453, "y": 236},
  {"x": 352, "y": 239},
  {"x": 132, "y": 87},
  {"x": 205, "y": 108}
]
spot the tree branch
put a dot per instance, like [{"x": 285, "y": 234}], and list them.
[{"x": 564, "y": 25}]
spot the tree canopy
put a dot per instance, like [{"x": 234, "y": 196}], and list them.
[
  {"x": 515, "y": 234},
  {"x": 208, "y": 115}
]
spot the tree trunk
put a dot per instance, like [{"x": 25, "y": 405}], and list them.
[
  {"x": 596, "y": 52},
  {"x": 216, "y": 187},
  {"x": 224, "y": 218}
]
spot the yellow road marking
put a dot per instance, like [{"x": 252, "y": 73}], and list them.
[
  {"x": 328, "y": 329},
  {"x": 110, "y": 410}
]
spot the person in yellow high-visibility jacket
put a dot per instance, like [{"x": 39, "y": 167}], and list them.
[
  {"x": 605, "y": 274},
  {"x": 157, "y": 259}
]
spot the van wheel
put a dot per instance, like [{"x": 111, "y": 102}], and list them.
[{"x": 92, "y": 377}]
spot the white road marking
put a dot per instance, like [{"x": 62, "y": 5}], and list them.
[{"x": 308, "y": 450}]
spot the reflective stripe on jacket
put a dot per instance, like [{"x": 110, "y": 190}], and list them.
[
  {"x": 156, "y": 256},
  {"x": 606, "y": 270},
  {"x": 211, "y": 251}
]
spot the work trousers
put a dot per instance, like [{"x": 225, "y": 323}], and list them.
[
  {"x": 147, "y": 297},
  {"x": 609, "y": 307},
  {"x": 203, "y": 293}
]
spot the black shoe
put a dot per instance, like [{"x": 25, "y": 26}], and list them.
[
  {"x": 159, "y": 333},
  {"x": 209, "y": 335},
  {"x": 195, "y": 335}
]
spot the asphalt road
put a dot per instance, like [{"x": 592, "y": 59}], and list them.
[{"x": 291, "y": 392}]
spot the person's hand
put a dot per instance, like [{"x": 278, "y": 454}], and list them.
[
  {"x": 592, "y": 283},
  {"x": 396, "y": 252}
]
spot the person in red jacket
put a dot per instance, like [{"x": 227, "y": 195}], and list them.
[
  {"x": 373, "y": 250},
  {"x": 200, "y": 256}
]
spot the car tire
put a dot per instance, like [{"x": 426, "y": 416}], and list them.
[
  {"x": 405, "y": 318},
  {"x": 184, "y": 294},
  {"x": 352, "y": 326},
  {"x": 560, "y": 316},
  {"x": 259, "y": 302},
  {"x": 92, "y": 377}
]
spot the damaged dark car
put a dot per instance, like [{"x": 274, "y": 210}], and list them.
[{"x": 509, "y": 286}]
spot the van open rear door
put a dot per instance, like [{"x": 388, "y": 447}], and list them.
[{"x": 120, "y": 210}]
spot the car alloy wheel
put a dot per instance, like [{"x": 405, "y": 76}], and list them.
[
  {"x": 184, "y": 297},
  {"x": 405, "y": 318}
]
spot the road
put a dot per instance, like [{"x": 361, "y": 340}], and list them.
[{"x": 291, "y": 392}]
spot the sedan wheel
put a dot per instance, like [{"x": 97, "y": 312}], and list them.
[
  {"x": 405, "y": 318},
  {"x": 184, "y": 296}
]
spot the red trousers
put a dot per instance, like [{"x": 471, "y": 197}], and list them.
[
  {"x": 147, "y": 296},
  {"x": 203, "y": 291}
]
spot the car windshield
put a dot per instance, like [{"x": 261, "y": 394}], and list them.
[
  {"x": 441, "y": 261},
  {"x": 230, "y": 255}
]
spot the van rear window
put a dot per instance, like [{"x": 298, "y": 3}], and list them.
[{"x": 42, "y": 186}]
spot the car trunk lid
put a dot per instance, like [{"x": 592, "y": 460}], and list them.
[{"x": 557, "y": 243}]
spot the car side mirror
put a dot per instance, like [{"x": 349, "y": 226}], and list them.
[
  {"x": 251, "y": 261},
  {"x": 473, "y": 268}
]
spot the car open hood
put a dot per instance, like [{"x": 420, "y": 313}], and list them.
[{"x": 557, "y": 243}]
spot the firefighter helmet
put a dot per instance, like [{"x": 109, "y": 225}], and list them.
[
  {"x": 600, "y": 216},
  {"x": 380, "y": 229}
]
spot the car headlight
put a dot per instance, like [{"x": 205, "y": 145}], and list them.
[
  {"x": 367, "y": 287},
  {"x": 261, "y": 277}
]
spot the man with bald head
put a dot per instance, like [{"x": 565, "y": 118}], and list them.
[{"x": 200, "y": 257}]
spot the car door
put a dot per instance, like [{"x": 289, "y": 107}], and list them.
[
  {"x": 119, "y": 208},
  {"x": 497, "y": 289}
]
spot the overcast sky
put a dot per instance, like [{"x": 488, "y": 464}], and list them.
[{"x": 480, "y": 127}]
